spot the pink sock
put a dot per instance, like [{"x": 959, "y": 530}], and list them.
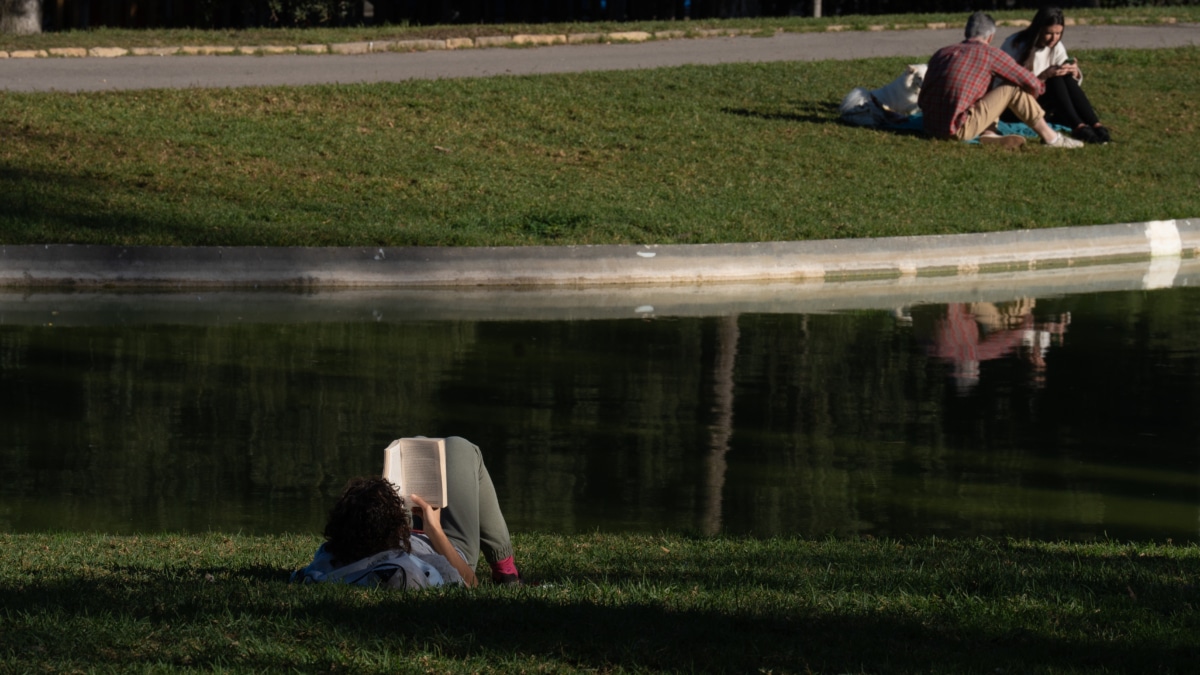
[{"x": 504, "y": 567}]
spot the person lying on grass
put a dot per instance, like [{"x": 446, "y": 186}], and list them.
[{"x": 370, "y": 539}]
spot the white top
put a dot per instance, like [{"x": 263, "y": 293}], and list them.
[{"x": 1039, "y": 59}]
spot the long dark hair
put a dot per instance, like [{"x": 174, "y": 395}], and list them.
[
  {"x": 1027, "y": 38},
  {"x": 370, "y": 517}
]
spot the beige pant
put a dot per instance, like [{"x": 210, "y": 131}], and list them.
[{"x": 987, "y": 110}]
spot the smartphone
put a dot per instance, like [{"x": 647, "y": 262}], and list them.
[{"x": 1070, "y": 61}]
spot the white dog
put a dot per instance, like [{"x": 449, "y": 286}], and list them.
[{"x": 887, "y": 105}]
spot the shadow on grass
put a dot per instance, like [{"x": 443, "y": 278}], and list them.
[
  {"x": 584, "y": 635},
  {"x": 810, "y": 112},
  {"x": 776, "y": 116},
  {"x": 819, "y": 113},
  {"x": 249, "y": 617},
  {"x": 77, "y": 208},
  {"x": 37, "y": 206}
]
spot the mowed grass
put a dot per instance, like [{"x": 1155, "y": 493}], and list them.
[
  {"x": 606, "y": 603},
  {"x": 743, "y": 152}
]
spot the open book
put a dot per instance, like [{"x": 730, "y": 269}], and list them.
[{"x": 418, "y": 466}]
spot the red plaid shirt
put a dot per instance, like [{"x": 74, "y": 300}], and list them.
[{"x": 959, "y": 75}]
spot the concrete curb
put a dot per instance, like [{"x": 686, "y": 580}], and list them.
[
  {"x": 72, "y": 307},
  {"x": 484, "y": 42},
  {"x": 566, "y": 266}
]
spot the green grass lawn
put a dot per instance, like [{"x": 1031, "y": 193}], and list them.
[
  {"x": 607, "y": 603},
  {"x": 742, "y": 152}
]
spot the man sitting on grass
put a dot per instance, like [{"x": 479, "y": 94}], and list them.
[{"x": 956, "y": 100}]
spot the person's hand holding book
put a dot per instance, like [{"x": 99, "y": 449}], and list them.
[{"x": 431, "y": 518}]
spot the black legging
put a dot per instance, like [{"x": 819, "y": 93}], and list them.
[{"x": 1066, "y": 104}]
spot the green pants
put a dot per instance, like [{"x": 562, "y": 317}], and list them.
[{"x": 472, "y": 520}]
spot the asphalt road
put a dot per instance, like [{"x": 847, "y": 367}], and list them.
[{"x": 155, "y": 72}]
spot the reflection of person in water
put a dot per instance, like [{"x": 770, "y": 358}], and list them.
[{"x": 971, "y": 333}]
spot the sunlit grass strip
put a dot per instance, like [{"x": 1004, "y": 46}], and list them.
[
  {"x": 610, "y": 603},
  {"x": 116, "y": 37},
  {"x": 732, "y": 153}
]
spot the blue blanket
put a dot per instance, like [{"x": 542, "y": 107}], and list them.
[{"x": 917, "y": 123}]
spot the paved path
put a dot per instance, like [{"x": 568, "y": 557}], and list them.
[{"x": 152, "y": 72}]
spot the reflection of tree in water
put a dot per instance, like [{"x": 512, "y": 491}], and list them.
[
  {"x": 722, "y": 427},
  {"x": 841, "y": 419},
  {"x": 180, "y": 427}
]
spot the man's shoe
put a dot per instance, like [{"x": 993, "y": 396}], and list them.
[
  {"x": 1009, "y": 142},
  {"x": 1102, "y": 134},
  {"x": 1086, "y": 134},
  {"x": 1065, "y": 141}
]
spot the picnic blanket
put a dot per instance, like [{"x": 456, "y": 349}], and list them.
[{"x": 917, "y": 123}]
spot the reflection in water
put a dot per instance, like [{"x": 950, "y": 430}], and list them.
[
  {"x": 722, "y": 427},
  {"x": 972, "y": 418},
  {"x": 971, "y": 333}
]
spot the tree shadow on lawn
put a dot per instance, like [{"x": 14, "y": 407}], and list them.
[
  {"x": 777, "y": 116},
  {"x": 132, "y": 613},
  {"x": 819, "y": 113},
  {"x": 581, "y": 634},
  {"x": 813, "y": 112},
  {"x": 654, "y": 637},
  {"x": 70, "y": 207}
]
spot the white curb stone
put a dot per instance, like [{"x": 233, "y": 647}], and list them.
[
  {"x": 494, "y": 41},
  {"x": 154, "y": 51},
  {"x": 417, "y": 45},
  {"x": 107, "y": 52},
  {"x": 350, "y": 48},
  {"x": 539, "y": 40},
  {"x": 630, "y": 36}
]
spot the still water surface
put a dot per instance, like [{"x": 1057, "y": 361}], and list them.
[{"x": 958, "y": 411}]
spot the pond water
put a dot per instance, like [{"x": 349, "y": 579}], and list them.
[{"x": 1061, "y": 405}]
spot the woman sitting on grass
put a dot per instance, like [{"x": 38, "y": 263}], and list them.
[
  {"x": 1039, "y": 48},
  {"x": 369, "y": 540}
]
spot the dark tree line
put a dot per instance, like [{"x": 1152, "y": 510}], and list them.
[
  {"x": 82, "y": 14},
  {"x": 64, "y": 14}
]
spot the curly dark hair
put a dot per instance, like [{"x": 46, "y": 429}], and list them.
[{"x": 369, "y": 517}]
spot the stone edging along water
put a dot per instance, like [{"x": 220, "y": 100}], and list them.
[
  {"x": 87, "y": 266},
  {"x": 519, "y": 40}
]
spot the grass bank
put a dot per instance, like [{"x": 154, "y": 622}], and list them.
[
  {"x": 113, "y": 37},
  {"x": 608, "y": 603},
  {"x": 741, "y": 152}
]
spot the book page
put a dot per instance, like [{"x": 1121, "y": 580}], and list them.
[
  {"x": 418, "y": 466},
  {"x": 391, "y": 465}
]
